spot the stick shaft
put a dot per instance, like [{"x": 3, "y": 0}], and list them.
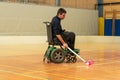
[{"x": 76, "y": 54}]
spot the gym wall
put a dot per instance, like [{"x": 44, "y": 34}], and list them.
[
  {"x": 109, "y": 24},
  {"x": 111, "y": 8},
  {"x": 27, "y": 19},
  {"x": 84, "y": 4}
]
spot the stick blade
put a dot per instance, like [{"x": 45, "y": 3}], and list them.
[{"x": 90, "y": 62}]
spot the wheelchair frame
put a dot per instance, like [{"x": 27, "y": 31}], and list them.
[{"x": 54, "y": 54}]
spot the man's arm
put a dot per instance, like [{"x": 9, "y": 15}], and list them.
[{"x": 62, "y": 41}]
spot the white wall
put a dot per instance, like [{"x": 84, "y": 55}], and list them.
[{"x": 26, "y": 19}]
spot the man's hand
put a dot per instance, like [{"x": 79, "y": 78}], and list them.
[{"x": 65, "y": 45}]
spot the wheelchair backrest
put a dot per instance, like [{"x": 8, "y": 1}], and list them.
[{"x": 49, "y": 32}]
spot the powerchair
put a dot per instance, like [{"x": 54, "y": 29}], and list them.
[{"x": 55, "y": 52}]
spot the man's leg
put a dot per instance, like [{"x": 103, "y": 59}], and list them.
[{"x": 69, "y": 38}]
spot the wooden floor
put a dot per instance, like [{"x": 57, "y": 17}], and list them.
[{"x": 24, "y": 62}]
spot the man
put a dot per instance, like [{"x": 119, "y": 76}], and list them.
[{"x": 66, "y": 38}]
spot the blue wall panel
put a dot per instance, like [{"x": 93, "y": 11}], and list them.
[
  {"x": 117, "y": 27},
  {"x": 108, "y": 27}
]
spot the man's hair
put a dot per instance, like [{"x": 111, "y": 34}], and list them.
[{"x": 61, "y": 10}]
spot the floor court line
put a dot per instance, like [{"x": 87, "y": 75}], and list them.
[
  {"x": 21, "y": 74},
  {"x": 18, "y": 68},
  {"x": 103, "y": 63},
  {"x": 36, "y": 77},
  {"x": 31, "y": 71},
  {"x": 34, "y": 71},
  {"x": 60, "y": 68}
]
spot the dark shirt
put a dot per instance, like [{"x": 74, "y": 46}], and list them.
[{"x": 56, "y": 26}]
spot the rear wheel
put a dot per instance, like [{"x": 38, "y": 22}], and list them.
[{"x": 57, "y": 56}]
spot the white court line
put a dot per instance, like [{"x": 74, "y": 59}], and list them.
[
  {"x": 34, "y": 71},
  {"x": 104, "y": 50},
  {"x": 102, "y": 63},
  {"x": 36, "y": 77},
  {"x": 108, "y": 63},
  {"x": 21, "y": 74}
]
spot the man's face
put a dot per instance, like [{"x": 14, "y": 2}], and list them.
[{"x": 62, "y": 16}]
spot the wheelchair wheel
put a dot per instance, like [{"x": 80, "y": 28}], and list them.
[
  {"x": 57, "y": 56},
  {"x": 70, "y": 58},
  {"x": 73, "y": 59}
]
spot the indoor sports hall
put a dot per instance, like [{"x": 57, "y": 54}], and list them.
[{"x": 28, "y": 51}]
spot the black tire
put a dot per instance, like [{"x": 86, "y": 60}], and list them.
[
  {"x": 57, "y": 56},
  {"x": 74, "y": 59}
]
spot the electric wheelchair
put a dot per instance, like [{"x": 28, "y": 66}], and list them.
[{"x": 55, "y": 52}]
